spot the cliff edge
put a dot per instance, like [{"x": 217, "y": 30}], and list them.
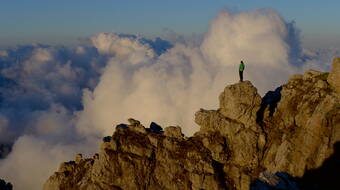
[{"x": 289, "y": 139}]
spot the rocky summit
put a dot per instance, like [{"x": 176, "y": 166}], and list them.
[{"x": 288, "y": 139}]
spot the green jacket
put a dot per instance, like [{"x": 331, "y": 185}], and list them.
[{"x": 241, "y": 67}]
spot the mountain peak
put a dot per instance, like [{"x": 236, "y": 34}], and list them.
[{"x": 284, "y": 140}]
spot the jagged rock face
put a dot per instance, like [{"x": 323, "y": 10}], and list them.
[
  {"x": 245, "y": 144},
  {"x": 173, "y": 131},
  {"x": 305, "y": 125},
  {"x": 235, "y": 122},
  {"x": 240, "y": 102},
  {"x": 134, "y": 160},
  {"x": 241, "y": 144},
  {"x": 334, "y": 76}
]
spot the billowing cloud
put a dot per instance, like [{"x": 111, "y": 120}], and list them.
[
  {"x": 170, "y": 88},
  {"x": 258, "y": 37},
  {"x": 122, "y": 48},
  {"x": 58, "y": 101},
  {"x": 33, "y": 159}
]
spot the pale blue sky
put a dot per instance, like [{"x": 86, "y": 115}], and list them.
[{"x": 64, "y": 21}]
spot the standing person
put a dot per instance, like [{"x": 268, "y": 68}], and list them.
[{"x": 241, "y": 69}]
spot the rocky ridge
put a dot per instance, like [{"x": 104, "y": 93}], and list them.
[{"x": 289, "y": 139}]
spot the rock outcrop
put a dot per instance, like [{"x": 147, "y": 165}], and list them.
[
  {"x": 281, "y": 141},
  {"x": 304, "y": 127},
  {"x": 334, "y": 77},
  {"x": 240, "y": 102}
]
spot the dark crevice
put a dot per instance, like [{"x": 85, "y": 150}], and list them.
[
  {"x": 220, "y": 174},
  {"x": 270, "y": 99},
  {"x": 325, "y": 177}
]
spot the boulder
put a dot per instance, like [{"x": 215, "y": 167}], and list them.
[
  {"x": 133, "y": 122},
  {"x": 136, "y": 126},
  {"x": 240, "y": 102},
  {"x": 155, "y": 128}
]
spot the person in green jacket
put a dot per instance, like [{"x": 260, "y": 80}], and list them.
[{"x": 241, "y": 69}]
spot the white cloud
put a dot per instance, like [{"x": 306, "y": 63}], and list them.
[
  {"x": 80, "y": 50},
  {"x": 3, "y": 53},
  {"x": 33, "y": 160},
  {"x": 54, "y": 97},
  {"x": 170, "y": 88},
  {"x": 258, "y": 37},
  {"x": 124, "y": 48}
]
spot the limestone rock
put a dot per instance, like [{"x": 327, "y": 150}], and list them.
[
  {"x": 334, "y": 76},
  {"x": 302, "y": 130},
  {"x": 288, "y": 139},
  {"x": 96, "y": 156},
  {"x": 136, "y": 126},
  {"x": 136, "y": 164},
  {"x": 79, "y": 158},
  {"x": 311, "y": 75},
  {"x": 133, "y": 122},
  {"x": 269, "y": 178},
  {"x": 172, "y": 131},
  {"x": 240, "y": 102}
]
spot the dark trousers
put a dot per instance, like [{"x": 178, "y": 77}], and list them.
[{"x": 241, "y": 75}]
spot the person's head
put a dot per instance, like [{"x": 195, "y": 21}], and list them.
[{"x": 241, "y": 61}]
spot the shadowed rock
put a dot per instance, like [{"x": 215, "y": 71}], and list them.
[
  {"x": 334, "y": 76},
  {"x": 269, "y": 104},
  {"x": 271, "y": 181},
  {"x": 121, "y": 126},
  {"x": 5, "y": 186},
  {"x": 175, "y": 132},
  {"x": 155, "y": 128},
  {"x": 326, "y": 176}
]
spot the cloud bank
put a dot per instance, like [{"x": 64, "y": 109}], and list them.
[{"x": 58, "y": 101}]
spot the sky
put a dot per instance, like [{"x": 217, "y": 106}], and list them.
[
  {"x": 65, "y": 22},
  {"x": 60, "y": 100}
]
